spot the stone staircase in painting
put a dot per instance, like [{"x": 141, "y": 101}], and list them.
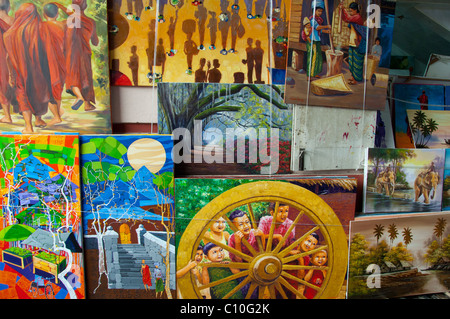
[{"x": 130, "y": 261}]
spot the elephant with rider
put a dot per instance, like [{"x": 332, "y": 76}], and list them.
[
  {"x": 385, "y": 182},
  {"x": 426, "y": 184}
]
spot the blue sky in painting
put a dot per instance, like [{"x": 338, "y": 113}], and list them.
[
  {"x": 125, "y": 199},
  {"x": 410, "y": 93},
  {"x": 127, "y": 140}
]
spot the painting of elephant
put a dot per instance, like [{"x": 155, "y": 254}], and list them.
[
  {"x": 385, "y": 182},
  {"x": 425, "y": 184}
]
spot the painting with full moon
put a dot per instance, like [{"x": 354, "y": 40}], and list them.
[{"x": 127, "y": 197}]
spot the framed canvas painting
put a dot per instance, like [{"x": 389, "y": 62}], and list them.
[
  {"x": 429, "y": 129},
  {"x": 403, "y": 180},
  {"x": 256, "y": 238},
  {"x": 221, "y": 41},
  {"x": 226, "y": 128},
  {"x": 57, "y": 81},
  {"x": 398, "y": 256},
  {"x": 41, "y": 237},
  {"x": 339, "y": 53},
  {"x": 127, "y": 198}
]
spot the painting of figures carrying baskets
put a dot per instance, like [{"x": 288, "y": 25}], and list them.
[
  {"x": 339, "y": 53},
  {"x": 41, "y": 235},
  {"x": 403, "y": 180},
  {"x": 127, "y": 197},
  {"x": 53, "y": 73},
  {"x": 263, "y": 239},
  {"x": 199, "y": 41}
]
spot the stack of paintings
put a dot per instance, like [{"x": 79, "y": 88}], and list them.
[
  {"x": 399, "y": 243},
  {"x": 411, "y": 97}
]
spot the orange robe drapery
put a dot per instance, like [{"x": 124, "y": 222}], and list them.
[
  {"x": 28, "y": 58},
  {"x": 53, "y": 36},
  {"x": 4, "y": 71},
  {"x": 79, "y": 54}
]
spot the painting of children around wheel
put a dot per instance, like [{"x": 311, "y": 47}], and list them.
[{"x": 257, "y": 240}]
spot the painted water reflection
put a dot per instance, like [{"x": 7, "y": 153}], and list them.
[{"x": 404, "y": 203}]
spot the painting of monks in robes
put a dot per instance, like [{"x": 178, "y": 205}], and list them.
[
  {"x": 221, "y": 41},
  {"x": 52, "y": 66}
]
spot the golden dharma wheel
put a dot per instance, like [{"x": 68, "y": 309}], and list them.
[{"x": 268, "y": 270}]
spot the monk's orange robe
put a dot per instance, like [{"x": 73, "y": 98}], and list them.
[
  {"x": 53, "y": 35},
  {"x": 78, "y": 58},
  {"x": 28, "y": 57},
  {"x": 4, "y": 71}
]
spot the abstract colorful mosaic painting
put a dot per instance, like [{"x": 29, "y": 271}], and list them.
[{"x": 40, "y": 229}]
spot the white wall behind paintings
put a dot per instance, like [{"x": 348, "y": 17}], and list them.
[
  {"x": 332, "y": 138},
  {"x": 134, "y": 104}
]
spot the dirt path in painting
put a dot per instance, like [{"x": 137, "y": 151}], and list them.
[{"x": 97, "y": 121}]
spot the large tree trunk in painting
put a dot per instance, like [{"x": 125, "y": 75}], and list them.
[{"x": 184, "y": 103}]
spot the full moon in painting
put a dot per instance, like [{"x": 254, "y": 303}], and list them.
[{"x": 147, "y": 152}]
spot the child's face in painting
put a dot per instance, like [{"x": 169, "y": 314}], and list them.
[
  {"x": 282, "y": 214},
  {"x": 318, "y": 12},
  {"x": 242, "y": 224},
  {"x": 320, "y": 258},
  {"x": 352, "y": 12},
  {"x": 215, "y": 254},
  {"x": 198, "y": 255},
  {"x": 309, "y": 243},
  {"x": 218, "y": 226}
]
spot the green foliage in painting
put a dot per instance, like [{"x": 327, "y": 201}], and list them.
[
  {"x": 165, "y": 182},
  {"x": 193, "y": 194},
  {"x": 101, "y": 171}
]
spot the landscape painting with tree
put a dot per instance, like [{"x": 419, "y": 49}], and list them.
[
  {"x": 41, "y": 238},
  {"x": 411, "y": 96},
  {"x": 430, "y": 129},
  {"x": 262, "y": 238},
  {"x": 53, "y": 66},
  {"x": 403, "y": 180},
  {"x": 339, "y": 53},
  {"x": 394, "y": 257},
  {"x": 127, "y": 198},
  {"x": 231, "y": 127}
]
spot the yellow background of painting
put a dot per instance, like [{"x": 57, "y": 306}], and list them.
[{"x": 176, "y": 66}]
